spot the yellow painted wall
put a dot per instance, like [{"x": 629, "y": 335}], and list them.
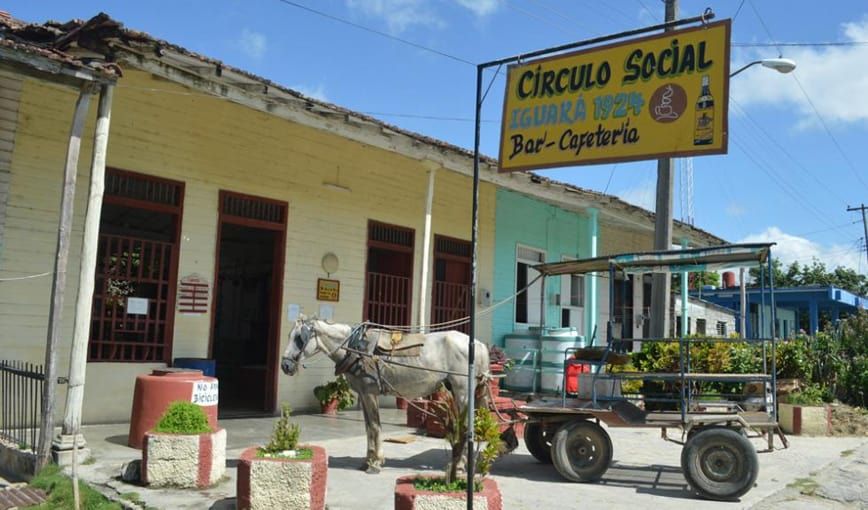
[{"x": 211, "y": 144}]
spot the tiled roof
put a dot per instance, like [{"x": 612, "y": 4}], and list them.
[{"x": 100, "y": 32}]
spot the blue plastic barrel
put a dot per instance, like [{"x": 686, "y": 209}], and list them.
[{"x": 207, "y": 366}]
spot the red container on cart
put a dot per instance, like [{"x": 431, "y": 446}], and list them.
[
  {"x": 573, "y": 370},
  {"x": 155, "y": 391}
]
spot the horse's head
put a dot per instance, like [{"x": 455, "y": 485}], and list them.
[{"x": 302, "y": 345}]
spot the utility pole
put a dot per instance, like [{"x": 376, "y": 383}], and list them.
[
  {"x": 864, "y": 224},
  {"x": 663, "y": 224}
]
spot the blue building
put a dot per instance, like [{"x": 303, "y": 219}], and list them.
[{"x": 792, "y": 303}]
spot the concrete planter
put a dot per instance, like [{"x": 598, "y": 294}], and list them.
[
  {"x": 282, "y": 484},
  {"x": 407, "y": 497},
  {"x": 805, "y": 420},
  {"x": 182, "y": 460}
]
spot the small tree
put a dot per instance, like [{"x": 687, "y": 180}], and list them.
[
  {"x": 285, "y": 434},
  {"x": 488, "y": 446}
]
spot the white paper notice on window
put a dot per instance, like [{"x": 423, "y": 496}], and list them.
[
  {"x": 327, "y": 312},
  {"x": 204, "y": 393},
  {"x": 137, "y": 306}
]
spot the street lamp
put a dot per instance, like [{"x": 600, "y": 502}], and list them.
[{"x": 781, "y": 65}]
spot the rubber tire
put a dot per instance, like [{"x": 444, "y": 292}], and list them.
[
  {"x": 727, "y": 446},
  {"x": 538, "y": 442},
  {"x": 581, "y": 434}
]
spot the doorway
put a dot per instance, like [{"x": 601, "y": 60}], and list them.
[
  {"x": 389, "y": 274},
  {"x": 247, "y": 302},
  {"x": 451, "y": 294}
]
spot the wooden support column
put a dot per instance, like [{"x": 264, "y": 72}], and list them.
[
  {"x": 58, "y": 283},
  {"x": 87, "y": 271}
]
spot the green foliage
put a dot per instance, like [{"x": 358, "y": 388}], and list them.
[
  {"x": 339, "y": 390},
  {"x": 183, "y": 418},
  {"x": 489, "y": 445},
  {"x": 628, "y": 386},
  {"x": 436, "y": 484},
  {"x": 794, "y": 359},
  {"x": 285, "y": 434},
  {"x": 854, "y": 359},
  {"x": 811, "y": 395},
  {"x": 59, "y": 489},
  {"x": 487, "y": 432},
  {"x": 815, "y": 273}
]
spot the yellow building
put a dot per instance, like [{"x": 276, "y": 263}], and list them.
[{"x": 232, "y": 205}]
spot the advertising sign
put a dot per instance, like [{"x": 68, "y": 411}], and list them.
[{"x": 659, "y": 96}]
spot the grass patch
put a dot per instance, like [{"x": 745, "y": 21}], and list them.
[
  {"x": 806, "y": 486},
  {"x": 133, "y": 497},
  {"x": 90, "y": 461},
  {"x": 59, "y": 489},
  {"x": 440, "y": 485},
  {"x": 301, "y": 454},
  {"x": 847, "y": 453}
]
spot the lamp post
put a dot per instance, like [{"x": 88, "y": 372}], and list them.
[
  {"x": 663, "y": 223},
  {"x": 781, "y": 65}
]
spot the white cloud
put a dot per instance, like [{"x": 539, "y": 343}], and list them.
[
  {"x": 834, "y": 77},
  {"x": 643, "y": 194},
  {"x": 399, "y": 14},
  {"x": 735, "y": 209},
  {"x": 315, "y": 92},
  {"x": 480, "y": 7},
  {"x": 792, "y": 248},
  {"x": 253, "y": 43}
]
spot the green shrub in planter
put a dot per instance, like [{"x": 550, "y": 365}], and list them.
[{"x": 183, "y": 418}]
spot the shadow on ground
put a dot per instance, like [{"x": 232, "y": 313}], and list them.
[
  {"x": 658, "y": 480},
  {"x": 431, "y": 459}
]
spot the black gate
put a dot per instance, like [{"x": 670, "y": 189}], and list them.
[{"x": 20, "y": 402}]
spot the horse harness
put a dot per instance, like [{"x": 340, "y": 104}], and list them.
[{"x": 365, "y": 346}]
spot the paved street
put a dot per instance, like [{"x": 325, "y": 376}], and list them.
[{"x": 645, "y": 472}]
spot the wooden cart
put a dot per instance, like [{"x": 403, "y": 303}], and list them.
[{"x": 718, "y": 459}]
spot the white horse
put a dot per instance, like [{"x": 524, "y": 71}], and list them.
[{"x": 442, "y": 358}]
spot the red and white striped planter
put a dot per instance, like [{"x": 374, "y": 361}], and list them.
[
  {"x": 282, "y": 483},
  {"x": 407, "y": 497},
  {"x": 184, "y": 460}
]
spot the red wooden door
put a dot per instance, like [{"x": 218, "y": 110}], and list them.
[
  {"x": 450, "y": 298},
  {"x": 389, "y": 275}
]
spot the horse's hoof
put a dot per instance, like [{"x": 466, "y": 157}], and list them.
[{"x": 372, "y": 470}]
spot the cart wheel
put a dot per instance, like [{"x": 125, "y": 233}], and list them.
[
  {"x": 720, "y": 463},
  {"x": 538, "y": 439},
  {"x": 581, "y": 451}
]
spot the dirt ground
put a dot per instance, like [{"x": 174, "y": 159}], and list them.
[{"x": 849, "y": 421}]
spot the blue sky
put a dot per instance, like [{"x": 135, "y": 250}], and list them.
[{"x": 797, "y": 142}]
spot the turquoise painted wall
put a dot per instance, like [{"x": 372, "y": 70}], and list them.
[{"x": 530, "y": 222}]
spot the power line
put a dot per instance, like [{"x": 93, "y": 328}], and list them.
[
  {"x": 829, "y": 132},
  {"x": 798, "y": 44},
  {"x": 641, "y": 3},
  {"x": 740, "y": 5},
  {"x": 377, "y": 32},
  {"x": 765, "y": 27},
  {"x": 782, "y": 184},
  {"x": 798, "y": 163},
  {"x": 836, "y": 227}
]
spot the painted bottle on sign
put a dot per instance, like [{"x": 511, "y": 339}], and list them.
[{"x": 703, "y": 130}]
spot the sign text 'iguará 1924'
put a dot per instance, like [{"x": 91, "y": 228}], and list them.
[{"x": 659, "y": 96}]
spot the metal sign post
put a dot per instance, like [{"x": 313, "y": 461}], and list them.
[{"x": 539, "y": 151}]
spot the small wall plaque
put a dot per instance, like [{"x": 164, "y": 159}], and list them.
[
  {"x": 328, "y": 290},
  {"x": 193, "y": 295}
]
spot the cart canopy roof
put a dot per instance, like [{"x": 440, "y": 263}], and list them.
[{"x": 672, "y": 261}]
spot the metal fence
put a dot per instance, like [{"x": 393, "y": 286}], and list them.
[{"x": 20, "y": 402}]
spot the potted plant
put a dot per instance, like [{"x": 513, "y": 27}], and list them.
[
  {"x": 182, "y": 450},
  {"x": 282, "y": 474},
  {"x": 442, "y": 491},
  {"x": 334, "y": 396},
  {"x": 805, "y": 412}
]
